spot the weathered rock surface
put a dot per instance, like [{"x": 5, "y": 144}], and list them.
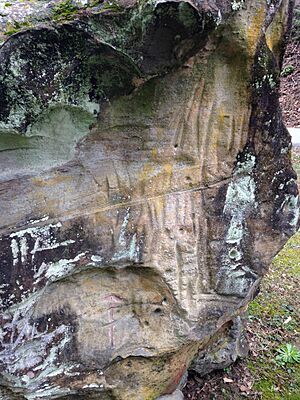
[
  {"x": 176, "y": 395},
  {"x": 226, "y": 347},
  {"x": 145, "y": 187}
]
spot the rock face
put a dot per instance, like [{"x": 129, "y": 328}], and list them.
[
  {"x": 227, "y": 346},
  {"x": 145, "y": 187}
]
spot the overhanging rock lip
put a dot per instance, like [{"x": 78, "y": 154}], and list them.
[{"x": 11, "y": 54}]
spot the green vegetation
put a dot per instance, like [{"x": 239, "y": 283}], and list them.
[
  {"x": 274, "y": 326},
  {"x": 16, "y": 27},
  {"x": 112, "y": 6},
  {"x": 64, "y": 10},
  {"x": 288, "y": 354},
  {"x": 296, "y": 161},
  {"x": 288, "y": 70}
]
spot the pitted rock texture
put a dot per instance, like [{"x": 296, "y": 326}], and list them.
[
  {"x": 226, "y": 347},
  {"x": 145, "y": 187},
  {"x": 176, "y": 395}
]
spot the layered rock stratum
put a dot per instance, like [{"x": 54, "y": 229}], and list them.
[{"x": 145, "y": 186}]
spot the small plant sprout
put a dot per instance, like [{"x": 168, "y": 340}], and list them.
[
  {"x": 288, "y": 70},
  {"x": 288, "y": 354}
]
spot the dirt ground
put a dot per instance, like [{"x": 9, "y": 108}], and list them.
[
  {"x": 290, "y": 76},
  {"x": 290, "y": 85}
]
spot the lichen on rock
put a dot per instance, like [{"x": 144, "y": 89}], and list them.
[{"x": 146, "y": 185}]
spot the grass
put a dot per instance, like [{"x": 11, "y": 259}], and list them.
[
  {"x": 296, "y": 161},
  {"x": 274, "y": 323}
]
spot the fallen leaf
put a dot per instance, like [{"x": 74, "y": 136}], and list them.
[{"x": 227, "y": 380}]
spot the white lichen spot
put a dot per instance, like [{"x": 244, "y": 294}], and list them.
[
  {"x": 36, "y": 221},
  {"x": 91, "y": 385},
  {"x": 290, "y": 207},
  {"x": 284, "y": 150},
  {"x": 96, "y": 258},
  {"x": 56, "y": 270},
  {"x": 235, "y": 278},
  {"x": 43, "y": 237},
  {"x": 237, "y": 5},
  {"x": 133, "y": 247},
  {"x": 128, "y": 247},
  {"x": 91, "y": 107},
  {"x": 219, "y": 18},
  {"x": 122, "y": 240},
  {"x": 23, "y": 249},
  {"x": 14, "y": 245},
  {"x": 240, "y": 197}
]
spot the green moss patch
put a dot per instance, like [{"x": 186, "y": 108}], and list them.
[
  {"x": 16, "y": 27},
  {"x": 64, "y": 11}
]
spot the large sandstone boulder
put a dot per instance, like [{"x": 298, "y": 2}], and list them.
[{"x": 146, "y": 185}]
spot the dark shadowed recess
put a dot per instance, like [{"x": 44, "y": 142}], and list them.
[{"x": 72, "y": 63}]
